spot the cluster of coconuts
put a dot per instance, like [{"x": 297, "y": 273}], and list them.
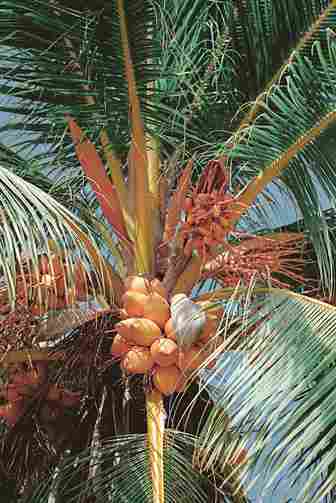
[
  {"x": 23, "y": 384},
  {"x": 48, "y": 288},
  {"x": 146, "y": 342}
]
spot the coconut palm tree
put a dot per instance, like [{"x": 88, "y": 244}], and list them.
[{"x": 148, "y": 151}]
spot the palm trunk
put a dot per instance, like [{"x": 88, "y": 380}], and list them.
[{"x": 156, "y": 418}]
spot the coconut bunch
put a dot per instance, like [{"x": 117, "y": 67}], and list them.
[
  {"x": 24, "y": 384},
  {"x": 46, "y": 288},
  {"x": 148, "y": 341}
]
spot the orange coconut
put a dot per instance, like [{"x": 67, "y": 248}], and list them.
[
  {"x": 140, "y": 331},
  {"x": 165, "y": 352},
  {"x": 137, "y": 284},
  {"x": 137, "y": 360},
  {"x": 145, "y": 286},
  {"x": 134, "y": 302},
  {"x": 169, "y": 330},
  {"x": 191, "y": 359},
  {"x": 156, "y": 308},
  {"x": 167, "y": 379},
  {"x": 119, "y": 346}
]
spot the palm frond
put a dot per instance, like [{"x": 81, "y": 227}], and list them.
[
  {"x": 125, "y": 481},
  {"x": 283, "y": 143},
  {"x": 286, "y": 391},
  {"x": 31, "y": 219}
]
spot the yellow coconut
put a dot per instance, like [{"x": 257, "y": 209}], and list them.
[
  {"x": 137, "y": 360},
  {"x": 169, "y": 330},
  {"x": 137, "y": 284},
  {"x": 134, "y": 302},
  {"x": 191, "y": 359},
  {"x": 140, "y": 331},
  {"x": 145, "y": 286},
  {"x": 165, "y": 352},
  {"x": 156, "y": 308},
  {"x": 119, "y": 346},
  {"x": 167, "y": 379}
]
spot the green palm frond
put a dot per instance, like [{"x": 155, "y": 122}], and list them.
[
  {"x": 284, "y": 142},
  {"x": 284, "y": 393},
  {"x": 118, "y": 478}
]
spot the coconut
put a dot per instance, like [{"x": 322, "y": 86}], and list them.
[
  {"x": 191, "y": 359},
  {"x": 156, "y": 308},
  {"x": 140, "y": 331},
  {"x": 134, "y": 302},
  {"x": 169, "y": 330},
  {"x": 167, "y": 379},
  {"x": 119, "y": 346},
  {"x": 145, "y": 286},
  {"x": 137, "y": 360},
  {"x": 137, "y": 284},
  {"x": 165, "y": 352}
]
